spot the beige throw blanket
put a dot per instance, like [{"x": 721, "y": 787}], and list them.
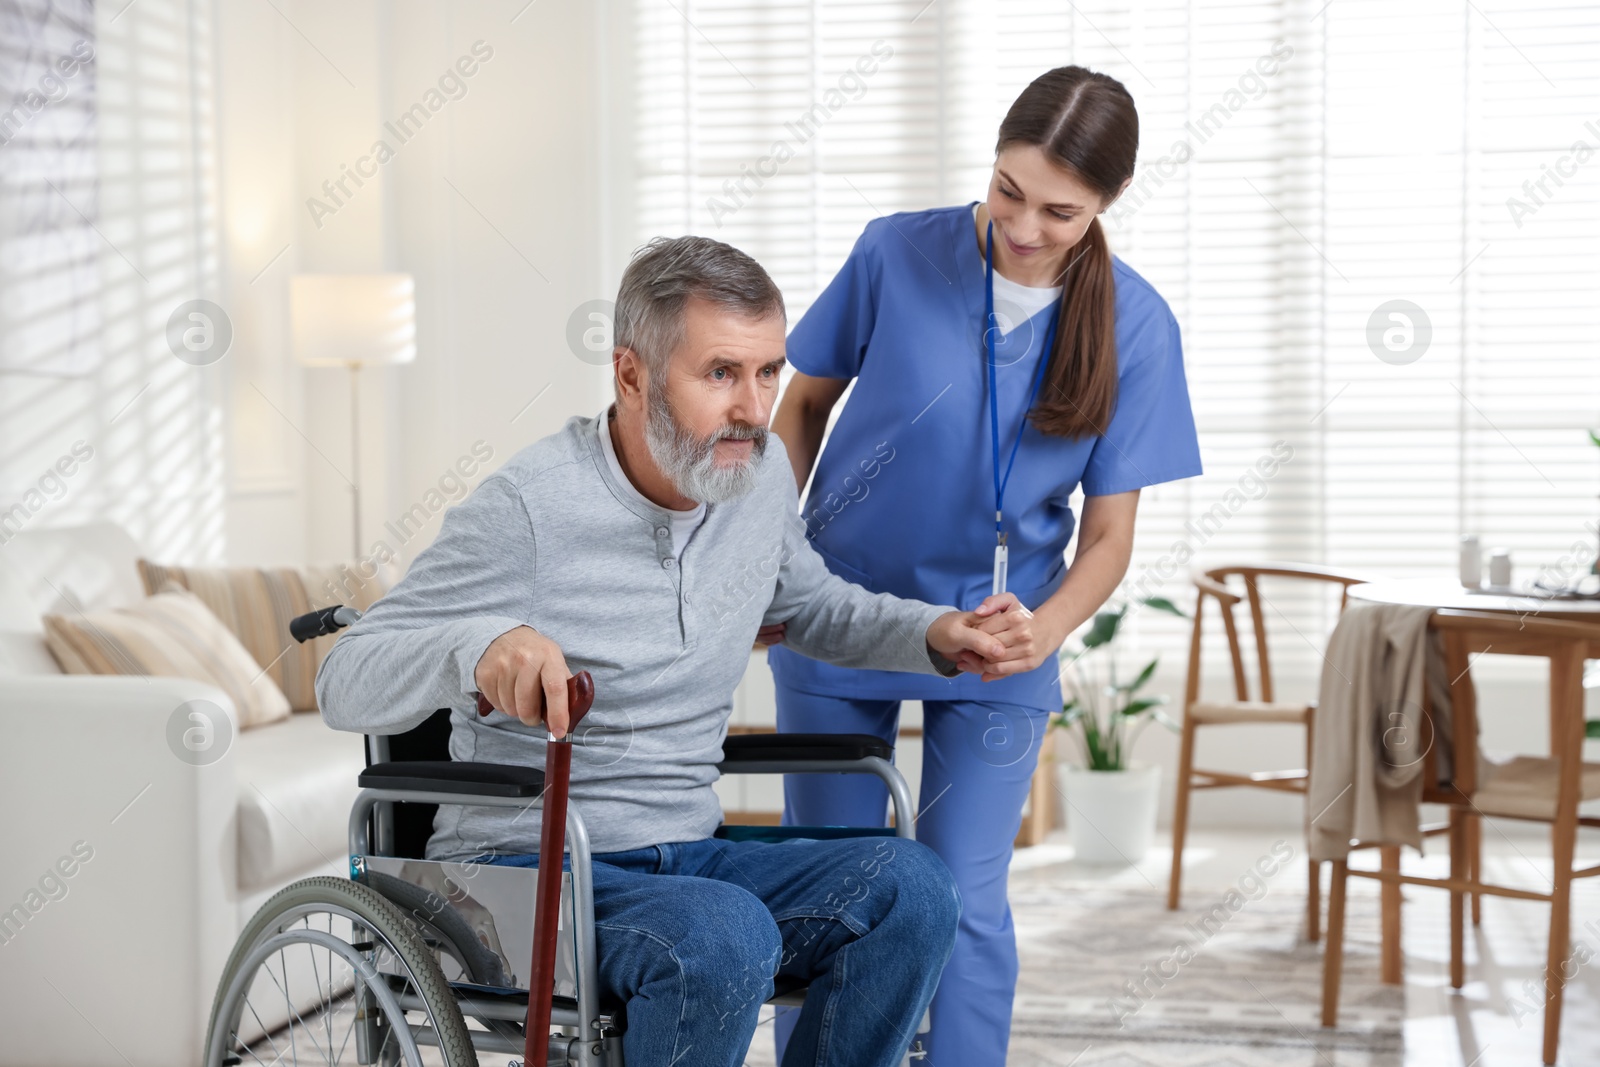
[{"x": 1370, "y": 739}]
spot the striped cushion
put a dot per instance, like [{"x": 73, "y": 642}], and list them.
[
  {"x": 169, "y": 635},
  {"x": 256, "y": 604}
]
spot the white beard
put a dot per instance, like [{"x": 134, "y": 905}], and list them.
[{"x": 690, "y": 463}]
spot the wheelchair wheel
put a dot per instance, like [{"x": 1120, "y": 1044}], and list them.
[{"x": 329, "y": 972}]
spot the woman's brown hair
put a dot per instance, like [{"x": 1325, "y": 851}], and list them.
[{"x": 1085, "y": 123}]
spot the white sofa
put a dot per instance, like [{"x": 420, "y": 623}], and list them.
[{"x": 133, "y": 870}]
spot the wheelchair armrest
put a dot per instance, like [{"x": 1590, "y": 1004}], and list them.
[
  {"x": 752, "y": 748},
  {"x": 468, "y": 779}
]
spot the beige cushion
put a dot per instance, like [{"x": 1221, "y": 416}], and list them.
[
  {"x": 256, "y": 604},
  {"x": 169, "y": 635},
  {"x": 1524, "y": 787},
  {"x": 1246, "y": 711},
  {"x": 297, "y": 782}
]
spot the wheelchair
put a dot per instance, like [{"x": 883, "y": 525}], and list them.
[{"x": 419, "y": 962}]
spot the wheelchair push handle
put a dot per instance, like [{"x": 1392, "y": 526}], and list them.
[{"x": 322, "y": 622}]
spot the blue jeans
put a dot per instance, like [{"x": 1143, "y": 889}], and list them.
[
  {"x": 977, "y": 766},
  {"x": 690, "y": 936}
]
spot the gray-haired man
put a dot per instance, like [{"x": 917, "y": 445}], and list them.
[{"x": 649, "y": 546}]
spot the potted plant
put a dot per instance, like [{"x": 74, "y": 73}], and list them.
[{"x": 1111, "y": 801}]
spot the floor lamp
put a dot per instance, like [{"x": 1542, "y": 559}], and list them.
[{"x": 353, "y": 321}]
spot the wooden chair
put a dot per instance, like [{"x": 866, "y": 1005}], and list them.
[
  {"x": 1243, "y": 709},
  {"x": 1539, "y": 789}
]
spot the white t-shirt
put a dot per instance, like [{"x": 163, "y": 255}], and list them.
[
  {"x": 1010, "y": 297},
  {"x": 683, "y": 523}
]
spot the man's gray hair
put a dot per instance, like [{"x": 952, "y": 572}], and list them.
[{"x": 649, "y": 316}]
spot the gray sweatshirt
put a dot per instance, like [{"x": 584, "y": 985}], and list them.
[{"x": 552, "y": 541}]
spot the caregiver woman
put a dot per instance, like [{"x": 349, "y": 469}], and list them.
[{"x": 1084, "y": 370}]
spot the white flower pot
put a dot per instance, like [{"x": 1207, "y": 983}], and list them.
[{"x": 1111, "y": 815}]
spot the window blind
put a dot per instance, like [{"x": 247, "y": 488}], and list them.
[
  {"x": 1302, "y": 167},
  {"x": 49, "y": 277},
  {"x": 94, "y": 271}
]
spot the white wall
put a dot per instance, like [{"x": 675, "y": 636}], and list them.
[
  {"x": 493, "y": 206},
  {"x": 256, "y": 149},
  {"x": 498, "y": 215}
]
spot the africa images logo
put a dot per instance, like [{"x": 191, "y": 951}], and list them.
[{"x": 199, "y": 732}]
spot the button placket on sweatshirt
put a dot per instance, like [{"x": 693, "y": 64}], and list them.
[
  {"x": 658, "y": 524},
  {"x": 685, "y": 580},
  {"x": 669, "y": 564}
]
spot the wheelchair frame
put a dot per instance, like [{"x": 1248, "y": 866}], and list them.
[
  {"x": 590, "y": 1037},
  {"x": 597, "y": 1042}
]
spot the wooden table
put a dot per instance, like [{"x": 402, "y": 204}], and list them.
[
  {"x": 1450, "y": 595},
  {"x": 1429, "y": 592}
]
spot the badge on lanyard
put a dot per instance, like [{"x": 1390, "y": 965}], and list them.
[{"x": 993, "y": 326}]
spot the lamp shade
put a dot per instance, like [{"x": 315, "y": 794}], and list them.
[{"x": 362, "y": 319}]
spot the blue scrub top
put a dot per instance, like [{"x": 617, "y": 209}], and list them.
[{"x": 902, "y": 500}]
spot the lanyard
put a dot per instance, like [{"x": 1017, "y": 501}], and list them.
[{"x": 991, "y": 327}]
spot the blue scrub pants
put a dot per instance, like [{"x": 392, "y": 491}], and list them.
[{"x": 978, "y": 760}]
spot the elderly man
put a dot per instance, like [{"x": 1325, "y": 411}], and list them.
[{"x": 649, "y": 546}]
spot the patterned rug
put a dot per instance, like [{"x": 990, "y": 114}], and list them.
[
  {"x": 1109, "y": 976},
  {"x": 1227, "y": 981}
]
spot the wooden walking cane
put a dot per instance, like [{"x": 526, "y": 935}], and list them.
[{"x": 552, "y": 843}]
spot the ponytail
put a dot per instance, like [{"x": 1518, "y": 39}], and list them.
[
  {"x": 1085, "y": 123},
  {"x": 1080, "y": 389}
]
